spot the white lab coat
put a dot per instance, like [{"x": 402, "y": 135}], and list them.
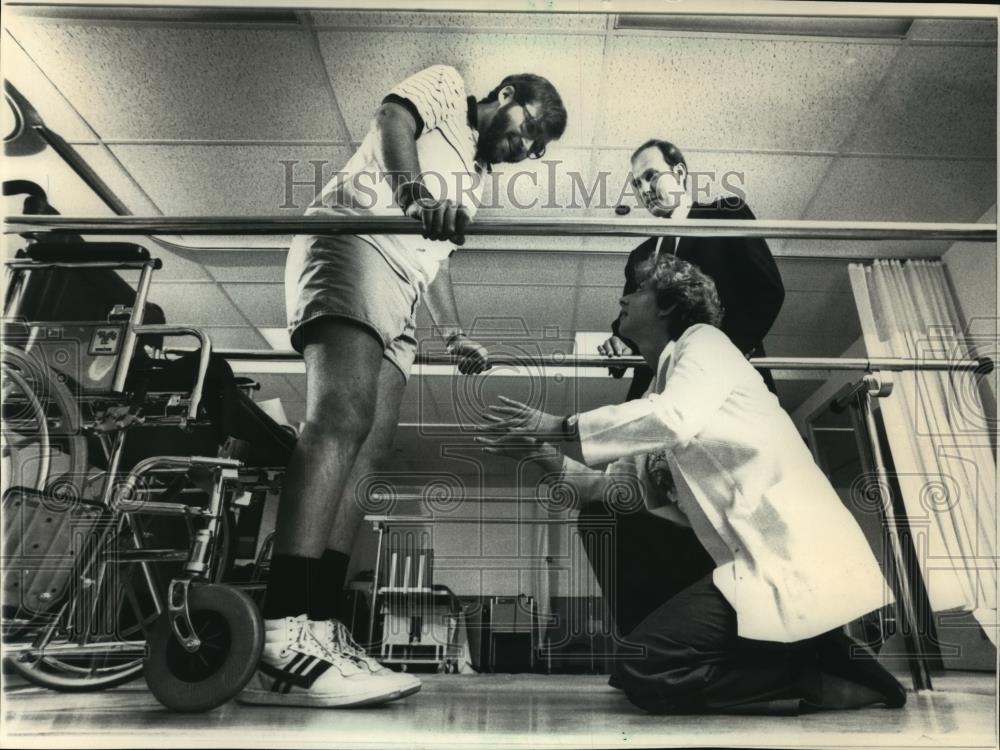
[{"x": 790, "y": 558}]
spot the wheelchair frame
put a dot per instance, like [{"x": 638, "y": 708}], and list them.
[{"x": 121, "y": 502}]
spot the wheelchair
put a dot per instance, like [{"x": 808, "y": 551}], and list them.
[{"x": 124, "y": 473}]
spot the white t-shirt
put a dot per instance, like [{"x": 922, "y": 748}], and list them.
[{"x": 446, "y": 147}]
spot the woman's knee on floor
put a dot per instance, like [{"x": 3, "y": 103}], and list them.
[{"x": 663, "y": 683}]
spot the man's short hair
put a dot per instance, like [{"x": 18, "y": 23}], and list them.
[
  {"x": 671, "y": 154},
  {"x": 680, "y": 283},
  {"x": 530, "y": 88}
]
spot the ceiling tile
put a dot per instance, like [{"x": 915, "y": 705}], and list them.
[
  {"x": 20, "y": 70},
  {"x": 220, "y": 83},
  {"x": 66, "y": 192},
  {"x": 936, "y": 100},
  {"x": 804, "y": 344},
  {"x": 822, "y": 314},
  {"x": 814, "y": 275},
  {"x": 775, "y": 186},
  {"x": 559, "y": 242},
  {"x": 238, "y": 265},
  {"x": 530, "y": 307},
  {"x": 103, "y": 162},
  {"x": 610, "y": 246},
  {"x": 606, "y": 270},
  {"x": 198, "y": 305},
  {"x": 869, "y": 189},
  {"x": 562, "y": 184},
  {"x": 177, "y": 266},
  {"x": 262, "y": 304},
  {"x": 777, "y": 94},
  {"x": 234, "y": 337},
  {"x": 228, "y": 180},
  {"x": 954, "y": 29},
  {"x": 572, "y": 64},
  {"x": 537, "y": 22},
  {"x": 598, "y": 306},
  {"x": 488, "y": 268}
]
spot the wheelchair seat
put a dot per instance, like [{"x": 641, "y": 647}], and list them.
[
  {"x": 230, "y": 412},
  {"x": 87, "y": 295}
]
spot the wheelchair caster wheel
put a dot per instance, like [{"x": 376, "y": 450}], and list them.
[{"x": 231, "y": 632}]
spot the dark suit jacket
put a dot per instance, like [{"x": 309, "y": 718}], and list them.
[{"x": 743, "y": 270}]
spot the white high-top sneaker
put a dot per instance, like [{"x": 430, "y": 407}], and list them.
[
  {"x": 297, "y": 670},
  {"x": 337, "y": 639}
]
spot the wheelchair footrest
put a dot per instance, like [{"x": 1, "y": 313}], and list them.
[{"x": 42, "y": 536}]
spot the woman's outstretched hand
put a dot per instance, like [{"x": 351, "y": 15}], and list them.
[{"x": 512, "y": 416}]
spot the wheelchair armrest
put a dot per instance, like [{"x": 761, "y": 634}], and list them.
[{"x": 204, "y": 357}]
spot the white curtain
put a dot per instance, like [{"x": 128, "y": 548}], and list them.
[{"x": 937, "y": 431}]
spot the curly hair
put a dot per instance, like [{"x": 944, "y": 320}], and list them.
[{"x": 680, "y": 283}]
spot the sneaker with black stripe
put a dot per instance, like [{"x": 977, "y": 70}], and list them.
[
  {"x": 337, "y": 639},
  {"x": 297, "y": 670}
]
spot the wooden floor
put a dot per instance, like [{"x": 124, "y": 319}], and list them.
[{"x": 529, "y": 711}]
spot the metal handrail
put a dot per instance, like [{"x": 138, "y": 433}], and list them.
[
  {"x": 507, "y": 226},
  {"x": 983, "y": 365}
]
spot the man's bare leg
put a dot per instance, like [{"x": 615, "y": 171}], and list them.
[
  {"x": 332, "y": 569},
  {"x": 371, "y": 457},
  {"x": 306, "y": 660},
  {"x": 342, "y": 360}
]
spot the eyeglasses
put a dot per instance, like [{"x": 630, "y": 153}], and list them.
[
  {"x": 531, "y": 129},
  {"x": 652, "y": 176}
]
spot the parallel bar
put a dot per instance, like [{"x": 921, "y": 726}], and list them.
[
  {"x": 506, "y": 226},
  {"x": 983, "y": 365},
  {"x": 377, "y": 520},
  {"x": 908, "y": 610}
]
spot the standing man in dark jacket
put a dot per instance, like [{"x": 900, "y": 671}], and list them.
[{"x": 742, "y": 268}]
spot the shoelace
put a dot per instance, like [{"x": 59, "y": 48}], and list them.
[{"x": 341, "y": 636}]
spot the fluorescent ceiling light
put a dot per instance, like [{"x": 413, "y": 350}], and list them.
[
  {"x": 174, "y": 15},
  {"x": 878, "y": 28}
]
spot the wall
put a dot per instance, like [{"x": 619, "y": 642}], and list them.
[{"x": 972, "y": 268}]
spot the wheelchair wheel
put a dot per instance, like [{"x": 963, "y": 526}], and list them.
[
  {"x": 68, "y": 673},
  {"x": 64, "y": 665},
  {"x": 41, "y": 439},
  {"x": 232, "y": 639},
  {"x": 116, "y": 618}
]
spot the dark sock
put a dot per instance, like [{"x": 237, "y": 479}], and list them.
[
  {"x": 288, "y": 586},
  {"x": 327, "y": 585}
]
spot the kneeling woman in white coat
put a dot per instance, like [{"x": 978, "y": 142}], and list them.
[{"x": 737, "y": 570}]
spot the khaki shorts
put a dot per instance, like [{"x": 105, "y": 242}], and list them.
[{"x": 345, "y": 277}]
